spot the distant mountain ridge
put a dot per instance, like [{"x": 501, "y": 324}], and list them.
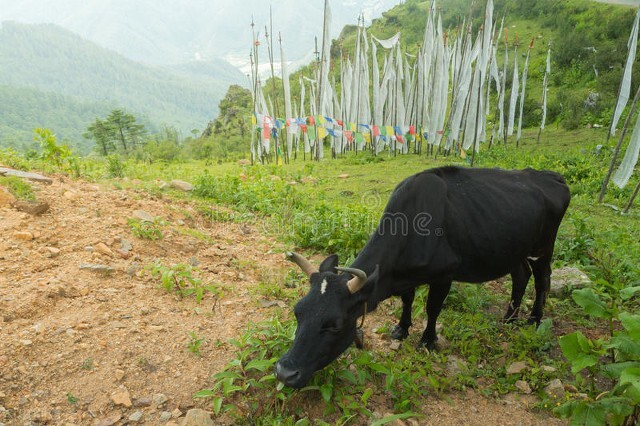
[
  {"x": 184, "y": 30},
  {"x": 66, "y": 67}
]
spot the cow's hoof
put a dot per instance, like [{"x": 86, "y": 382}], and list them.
[
  {"x": 399, "y": 333},
  {"x": 533, "y": 320},
  {"x": 428, "y": 345},
  {"x": 510, "y": 319}
]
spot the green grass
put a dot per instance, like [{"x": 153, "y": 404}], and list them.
[{"x": 20, "y": 188}]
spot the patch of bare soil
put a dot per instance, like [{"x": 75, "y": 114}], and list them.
[{"x": 80, "y": 346}]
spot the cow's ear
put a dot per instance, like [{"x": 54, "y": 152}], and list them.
[{"x": 329, "y": 264}]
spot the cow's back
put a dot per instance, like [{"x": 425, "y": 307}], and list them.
[{"x": 484, "y": 221}]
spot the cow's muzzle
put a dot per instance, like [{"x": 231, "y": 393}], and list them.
[{"x": 289, "y": 376}]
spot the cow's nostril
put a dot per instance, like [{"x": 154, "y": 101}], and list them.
[{"x": 286, "y": 375}]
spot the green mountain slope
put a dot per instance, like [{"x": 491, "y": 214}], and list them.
[
  {"x": 588, "y": 43},
  {"x": 77, "y": 77}
]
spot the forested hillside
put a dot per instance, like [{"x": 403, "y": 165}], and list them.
[
  {"x": 588, "y": 42},
  {"x": 51, "y": 77}
]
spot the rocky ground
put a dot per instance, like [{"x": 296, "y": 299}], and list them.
[{"x": 87, "y": 337}]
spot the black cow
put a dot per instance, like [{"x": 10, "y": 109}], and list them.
[{"x": 440, "y": 225}]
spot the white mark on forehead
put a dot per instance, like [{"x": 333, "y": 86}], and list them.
[{"x": 323, "y": 287}]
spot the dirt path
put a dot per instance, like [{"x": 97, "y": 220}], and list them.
[{"x": 82, "y": 347}]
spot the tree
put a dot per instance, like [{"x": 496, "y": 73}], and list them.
[
  {"x": 228, "y": 135},
  {"x": 125, "y": 130},
  {"x": 119, "y": 129},
  {"x": 100, "y": 132}
]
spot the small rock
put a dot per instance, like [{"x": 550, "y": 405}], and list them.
[
  {"x": 44, "y": 417},
  {"x": 159, "y": 399},
  {"x": 51, "y": 251},
  {"x": 343, "y": 176},
  {"x": 23, "y": 235},
  {"x": 97, "y": 268},
  {"x": 26, "y": 342},
  {"x": 165, "y": 416},
  {"x": 395, "y": 345},
  {"x": 119, "y": 375},
  {"x": 181, "y": 185},
  {"x": 38, "y": 328},
  {"x": 555, "y": 390},
  {"x": 104, "y": 249},
  {"x": 523, "y": 386},
  {"x": 32, "y": 207},
  {"x": 142, "y": 402},
  {"x": 143, "y": 216},
  {"x": 176, "y": 413},
  {"x": 548, "y": 369},
  {"x": 109, "y": 421},
  {"x": 122, "y": 398},
  {"x": 517, "y": 367},
  {"x": 136, "y": 417},
  {"x": 133, "y": 269},
  {"x": 125, "y": 246},
  {"x": 197, "y": 417},
  {"x": 570, "y": 388},
  {"x": 272, "y": 303}
]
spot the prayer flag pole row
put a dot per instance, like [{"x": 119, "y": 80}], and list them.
[{"x": 390, "y": 100}]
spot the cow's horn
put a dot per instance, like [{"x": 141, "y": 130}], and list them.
[
  {"x": 358, "y": 281},
  {"x": 302, "y": 262}
]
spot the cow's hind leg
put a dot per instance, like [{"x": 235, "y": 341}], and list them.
[
  {"x": 542, "y": 274},
  {"x": 519, "y": 278},
  {"x": 437, "y": 293},
  {"x": 401, "y": 331}
]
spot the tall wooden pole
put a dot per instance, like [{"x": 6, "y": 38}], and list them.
[{"x": 616, "y": 150}]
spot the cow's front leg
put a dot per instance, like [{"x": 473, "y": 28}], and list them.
[
  {"x": 437, "y": 293},
  {"x": 401, "y": 331}
]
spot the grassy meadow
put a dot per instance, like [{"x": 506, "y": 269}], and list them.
[{"x": 589, "y": 340}]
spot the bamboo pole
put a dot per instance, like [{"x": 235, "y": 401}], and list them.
[
  {"x": 633, "y": 197},
  {"x": 616, "y": 150}
]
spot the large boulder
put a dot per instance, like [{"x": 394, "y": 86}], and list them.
[{"x": 567, "y": 279}]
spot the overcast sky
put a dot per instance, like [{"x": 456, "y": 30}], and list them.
[{"x": 181, "y": 30}]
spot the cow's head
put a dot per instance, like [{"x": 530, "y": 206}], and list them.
[{"x": 326, "y": 316}]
